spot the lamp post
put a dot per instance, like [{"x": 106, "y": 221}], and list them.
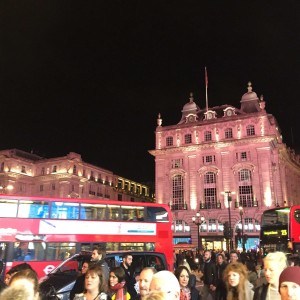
[
  {"x": 4, "y": 189},
  {"x": 243, "y": 238},
  {"x": 198, "y": 221},
  {"x": 228, "y": 195}
]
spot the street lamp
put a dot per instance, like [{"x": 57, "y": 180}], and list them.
[
  {"x": 198, "y": 221},
  {"x": 228, "y": 196},
  {"x": 4, "y": 189},
  {"x": 243, "y": 238}
]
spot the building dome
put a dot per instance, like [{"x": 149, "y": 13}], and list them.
[
  {"x": 250, "y": 95},
  {"x": 191, "y": 106}
]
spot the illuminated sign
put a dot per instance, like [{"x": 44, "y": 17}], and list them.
[{"x": 276, "y": 232}]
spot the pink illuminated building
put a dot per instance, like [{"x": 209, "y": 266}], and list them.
[{"x": 220, "y": 153}]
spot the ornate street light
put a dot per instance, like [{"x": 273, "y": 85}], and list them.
[
  {"x": 243, "y": 238},
  {"x": 198, "y": 221},
  {"x": 228, "y": 196}
]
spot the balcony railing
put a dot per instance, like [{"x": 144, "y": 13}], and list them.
[
  {"x": 178, "y": 206},
  {"x": 216, "y": 205}
]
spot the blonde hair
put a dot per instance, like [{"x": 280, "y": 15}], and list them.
[
  {"x": 279, "y": 258},
  {"x": 155, "y": 295}
]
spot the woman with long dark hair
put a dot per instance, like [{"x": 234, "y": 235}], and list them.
[
  {"x": 117, "y": 284},
  {"x": 187, "y": 283}
]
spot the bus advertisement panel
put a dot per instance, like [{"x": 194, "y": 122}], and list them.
[
  {"x": 280, "y": 230},
  {"x": 45, "y": 231}
]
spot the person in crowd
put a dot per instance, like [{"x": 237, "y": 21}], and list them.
[
  {"x": 155, "y": 295},
  {"x": 252, "y": 274},
  {"x": 221, "y": 291},
  {"x": 209, "y": 277},
  {"x": 234, "y": 256},
  {"x": 237, "y": 284},
  {"x": 145, "y": 280},
  {"x": 95, "y": 287},
  {"x": 2, "y": 284},
  {"x": 289, "y": 283},
  {"x": 167, "y": 283},
  {"x": 16, "y": 293},
  {"x": 129, "y": 275},
  {"x": 117, "y": 284},
  {"x": 20, "y": 267},
  {"x": 184, "y": 262},
  {"x": 79, "y": 283},
  {"x": 274, "y": 263},
  {"x": 98, "y": 258},
  {"x": 27, "y": 280},
  {"x": 187, "y": 284}
]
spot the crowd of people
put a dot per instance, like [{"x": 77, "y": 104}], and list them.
[{"x": 216, "y": 276}]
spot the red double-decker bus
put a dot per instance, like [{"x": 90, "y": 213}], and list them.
[
  {"x": 280, "y": 229},
  {"x": 45, "y": 231}
]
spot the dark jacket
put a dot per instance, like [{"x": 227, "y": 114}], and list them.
[
  {"x": 130, "y": 282},
  {"x": 221, "y": 291},
  {"x": 260, "y": 292},
  {"x": 78, "y": 286},
  {"x": 209, "y": 273},
  {"x": 194, "y": 292}
]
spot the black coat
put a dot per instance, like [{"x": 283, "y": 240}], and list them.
[{"x": 260, "y": 293}]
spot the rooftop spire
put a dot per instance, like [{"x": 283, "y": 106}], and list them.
[{"x": 249, "y": 87}]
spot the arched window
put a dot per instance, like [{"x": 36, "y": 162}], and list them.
[
  {"x": 177, "y": 186},
  {"x": 210, "y": 190},
  {"x": 245, "y": 188},
  {"x": 228, "y": 133},
  {"x": 250, "y": 130},
  {"x": 169, "y": 141}
]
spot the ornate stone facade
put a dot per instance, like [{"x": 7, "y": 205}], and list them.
[
  {"x": 27, "y": 174},
  {"x": 219, "y": 153}
]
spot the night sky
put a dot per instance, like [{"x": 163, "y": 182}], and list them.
[{"x": 91, "y": 77}]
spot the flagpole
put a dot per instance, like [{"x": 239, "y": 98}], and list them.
[{"x": 206, "y": 87}]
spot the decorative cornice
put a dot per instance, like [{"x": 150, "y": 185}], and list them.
[{"x": 214, "y": 144}]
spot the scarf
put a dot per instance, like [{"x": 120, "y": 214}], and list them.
[
  {"x": 119, "y": 290},
  {"x": 185, "y": 294}
]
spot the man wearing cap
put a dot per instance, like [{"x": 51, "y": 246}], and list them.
[{"x": 289, "y": 283}]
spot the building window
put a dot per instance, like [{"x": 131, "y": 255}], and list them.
[
  {"x": 119, "y": 197},
  {"x": 188, "y": 138},
  {"x": 177, "y": 185},
  {"x": 209, "y": 159},
  {"x": 180, "y": 226},
  {"x": 212, "y": 225},
  {"x": 83, "y": 173},
  {"x": 41, "y": 188},
  {"x": 169, "y": 141},
  {"x": 53, "y": 186},
  {"x": 209, "y": 177},
  {"x": 228, "y": 133},
  {"x": 74, "y": 170},
  {"x": 43, "y": 171},
  {"x": 207, "y": 136},
  {"x": 250, "y": 130},
  {"x": 244, "y": 175},
  {"x": 23, "y": 169},
  {"x": 245, "y": 189},
  {"x": 177, "y": 163},
  {"x": 210, "y": 190},
  {"x": 2, "y": 167}
]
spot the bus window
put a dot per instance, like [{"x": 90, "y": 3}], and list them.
[
  {"x": 297, "y": 215},
  {"x": 29, "y": 251},
  {"x": 132, "y": 213},
  {"x": 60, "y": 251},
  {"x": 65, "y": 210},
  {"x": 8, "y": 208},
  {"x": 157, "y": 214},
  {"x": 92, "y": 211},
  {"x": 33, "y": 209},
  {"x": 113, "y": 212}
]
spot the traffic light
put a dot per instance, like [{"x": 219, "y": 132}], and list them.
[{"x": 239, "y": 234}]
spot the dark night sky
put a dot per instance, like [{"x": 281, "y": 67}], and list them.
[{"x": 91, "y": 77}]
